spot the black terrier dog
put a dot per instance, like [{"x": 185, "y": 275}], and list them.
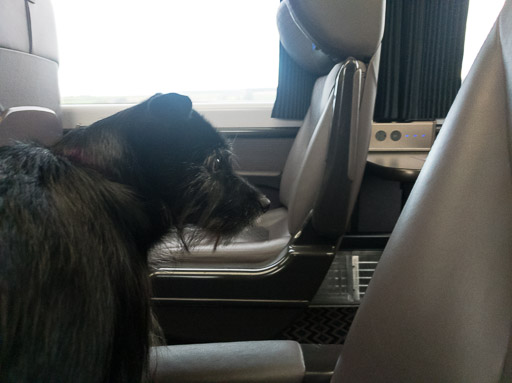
[{"x": 77, "y": 221}]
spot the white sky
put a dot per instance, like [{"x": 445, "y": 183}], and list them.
[
  {"x": 134, "y": 47},
  {"x": 481, "y": 17}
]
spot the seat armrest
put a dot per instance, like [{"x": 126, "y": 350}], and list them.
[
  {"x": 234, "y": 362},
  {"x": 29, "y": 123}
]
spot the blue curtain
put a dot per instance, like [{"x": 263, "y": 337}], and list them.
[
  {"x": 421, "y": 59},
  {"x": 293, "y": 90}
]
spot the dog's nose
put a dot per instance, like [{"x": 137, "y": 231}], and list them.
[{"x": 264, "y": 203}]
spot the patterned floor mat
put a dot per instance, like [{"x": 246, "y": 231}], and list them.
[{"x": 321, "y": 325}]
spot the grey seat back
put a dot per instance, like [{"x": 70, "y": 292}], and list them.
[
  {"x": 439, "y": 307},
  {"x": 28, "y": 73},
  {"x": 304, "y": 26},
  {"x": 28, "y": 55}
]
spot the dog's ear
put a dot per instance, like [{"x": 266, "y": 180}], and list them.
[{"x": 169, "y": 106}]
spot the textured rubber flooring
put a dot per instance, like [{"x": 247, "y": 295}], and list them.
[{"x": 321, "y": 325}]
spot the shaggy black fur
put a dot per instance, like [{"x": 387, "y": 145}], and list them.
[{"x": 76, "y": 223}]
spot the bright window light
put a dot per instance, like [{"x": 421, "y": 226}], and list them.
[
  {"x": 481, "y": 17},
  {"x": 123, "y": 51}
]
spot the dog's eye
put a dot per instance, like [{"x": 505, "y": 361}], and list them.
[{"x": 215, "y": 164}]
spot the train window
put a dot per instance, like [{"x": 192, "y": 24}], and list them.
[
  {"x": 121, "y": 51},
  {"x": 481, "y": 17}
]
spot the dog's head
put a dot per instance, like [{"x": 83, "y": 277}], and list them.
[{"x": 168, "y": 153}]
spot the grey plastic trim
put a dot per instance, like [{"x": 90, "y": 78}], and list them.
[
  {"x": 357, "y": 90},
  {"x": 332, "y": 208}
]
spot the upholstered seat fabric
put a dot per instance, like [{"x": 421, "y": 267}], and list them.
[
  {"x": 439, "y": 306},
  {"x": 28, "y": 55}
]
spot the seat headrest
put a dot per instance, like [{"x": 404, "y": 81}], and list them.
[
  {"x": 339, "y": 28},
  {"x": 300, "y": 47}
]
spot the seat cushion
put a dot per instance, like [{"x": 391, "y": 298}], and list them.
[{"x": 255, "y": 246}]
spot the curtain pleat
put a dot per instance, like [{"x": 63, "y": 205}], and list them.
[
  {"x": 421, "y": 59},
  {"x": 294, "y": 89}
]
